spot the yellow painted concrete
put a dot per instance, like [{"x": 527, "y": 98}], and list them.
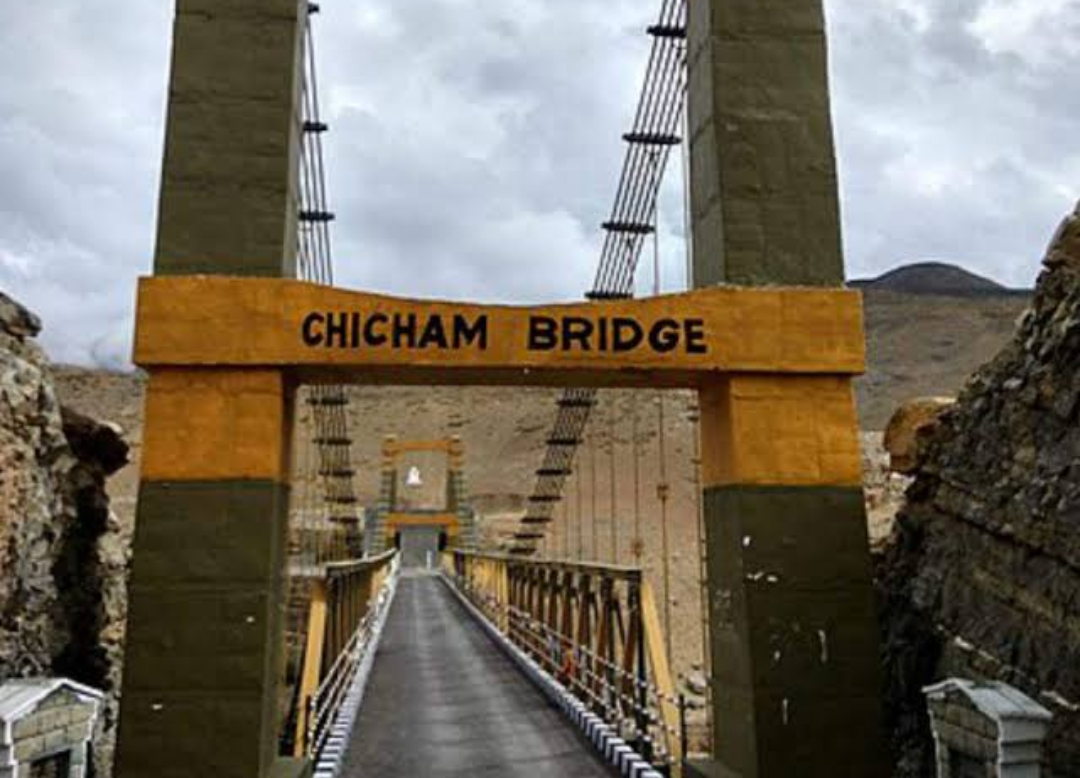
[
  {"x": 780, "y": 430},
  {"x": 250, "y": 322},
  {"x": 421, "y": 519},
  {"x": 392, "y": 448},
  {"x": 442, "y": 521},
  {"x": 209, "y": 424}
]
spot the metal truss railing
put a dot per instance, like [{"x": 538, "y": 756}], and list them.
[
  {"x": 594, "y": 628},
  {"x": 346, "y": 602}
]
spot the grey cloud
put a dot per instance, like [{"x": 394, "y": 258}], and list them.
[
  {"x": 949, "y": 149},
  {"x": 475, "y": 146}
]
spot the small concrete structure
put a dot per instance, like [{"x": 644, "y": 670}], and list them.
[
  {"x": 45, "y": 727},
  {"x": 985, "y": 730}
]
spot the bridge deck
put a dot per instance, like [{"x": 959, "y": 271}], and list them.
[{"x": 443, "y": 701}]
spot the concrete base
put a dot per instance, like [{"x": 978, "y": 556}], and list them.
[{"x": 706, "y": 768}]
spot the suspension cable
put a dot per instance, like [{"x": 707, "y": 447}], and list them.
[
  {"x": 656, "y": 123},
  {"x": 662, "y": 486},
  {"x": 637, "y": 547},
  {"x": 332, "y": 468},
  {"x": 614, "y": 528},
  {"x": 592, "y": 497},
  {"x": 694, "y": 417},
  {"x": 578, "y": 489},
  {"x": 566, "y": 530}
]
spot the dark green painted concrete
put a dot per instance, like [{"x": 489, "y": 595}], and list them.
[
  {"x": 764, "y": 203},
  {"x": 231, "y": 147},
  {"x": 292, "y": 768},
  {"x": 207, "y": 531},
  {"x": 794, "y": 639},
  {"x": 706, "y": 768},
  {"x": 202, "y": 663}
]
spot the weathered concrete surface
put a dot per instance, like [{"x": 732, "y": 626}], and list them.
[
  {"x": 793, "y": 634},
  {"x": 232, "y": 139},
  {"x": 763, "y": 186},
  {"x": 982, "y": 578},
  {"x": 795, "y": 655},
  {"x": 443, "y": 700},
  {"x": 205, "y": 634}
]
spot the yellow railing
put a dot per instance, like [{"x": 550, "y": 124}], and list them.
[
  {"x": 343, "y": 604},
  {"x": 593, "y": 627}
]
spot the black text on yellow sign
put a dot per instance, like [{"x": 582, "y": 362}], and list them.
[{"x": 568, "y": 334}]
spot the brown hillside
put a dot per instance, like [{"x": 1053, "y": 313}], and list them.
[{"x": 928, "y": 344}]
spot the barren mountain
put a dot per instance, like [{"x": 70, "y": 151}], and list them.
[{"x": 936, "y": 278}]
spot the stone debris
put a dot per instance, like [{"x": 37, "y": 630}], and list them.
[
  {"x": 883, "y": 488},
  {"x": 981, "y": 578}
]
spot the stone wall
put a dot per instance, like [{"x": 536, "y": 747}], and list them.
[
  {"x": 982, "y": 575},
  {"x": 63, "y": 555},
  {"x": 60, "y": 725}
]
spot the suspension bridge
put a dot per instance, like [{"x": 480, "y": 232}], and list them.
[{"x": 280, "y": 627}]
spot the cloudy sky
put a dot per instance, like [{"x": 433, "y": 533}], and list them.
[{"x": 475, "y": 143}]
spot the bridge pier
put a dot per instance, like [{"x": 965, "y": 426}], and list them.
[
  {"x": 203, "y": 660},
  {"x": 202, "y": 664},
  {"x": 795, "y": 660}
]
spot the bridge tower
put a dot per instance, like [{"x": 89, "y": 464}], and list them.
[
  {"x": 456, "y": 520},
  {"x": 203, "y": 664},
  {"x": 794, "y": 649},
  {"x": 795, "y": 660}
]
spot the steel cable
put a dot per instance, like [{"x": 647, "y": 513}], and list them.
[{"x": 657, "y": 120}]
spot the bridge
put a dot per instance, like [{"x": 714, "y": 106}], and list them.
[
  {"x": 276, "y": 629},
  {"x": 481, "y": 667}
]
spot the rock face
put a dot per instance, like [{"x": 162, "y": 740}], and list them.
[
  {"x": 982, "y": 576},
  {"x": 35, "y": 461},
  {"x": 62, "y": 556}
]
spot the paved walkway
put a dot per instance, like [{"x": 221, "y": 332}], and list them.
[{"x": 443, "y": 701}]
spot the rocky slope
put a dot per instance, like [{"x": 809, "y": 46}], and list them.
[
  {"x": 982, "y": 578},
  {"x": 63, "y": 555}
]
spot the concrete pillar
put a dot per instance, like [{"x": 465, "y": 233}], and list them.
[
  {"x": 202, "y": 666},
  {"x": 764, "y": 205},
  {"x": 794, "y": 637},
  {"x": 232, "y": 139}
]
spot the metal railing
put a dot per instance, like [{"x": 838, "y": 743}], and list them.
[
  {"x": 595, "y": 628},
  {"x": 346, "y": 602}
]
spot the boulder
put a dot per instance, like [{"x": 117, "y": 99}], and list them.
[
  {"x": 16, "y": 320},
  {"x": 94, "y": 441},
  {"x": 911, "y": 423}
]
